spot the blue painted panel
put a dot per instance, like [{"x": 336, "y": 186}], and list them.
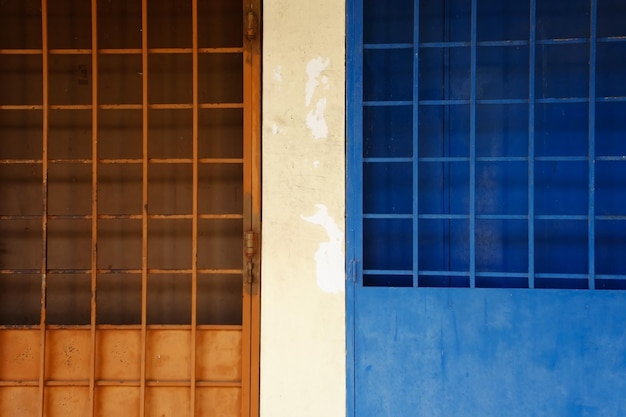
[{"x": 515, "y": 353}]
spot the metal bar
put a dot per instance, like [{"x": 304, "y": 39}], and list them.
[
  {"x": 472, "y": 151},
  {"x": 144, "y": 205},
  {"x": 444, "y": 44},
  {"x": 246, "y": 315},
  {"x": 592, "y": 145},
  {"x": 44, "y": 220},
  {"x": 531, "y": 144},
  {"x": 388, "y": 46},
  {"x": 194, "y": 221},
  {"x": 20, "y": 51},
  {"x": 94, "y": 201},
  {"x": 415, "y": 128}
]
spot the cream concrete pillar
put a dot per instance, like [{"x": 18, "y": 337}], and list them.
[{"x": 303, "y": 314}]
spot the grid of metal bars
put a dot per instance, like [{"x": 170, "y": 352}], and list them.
[
  {"x": 414, "y": 58},
  {"x": 246, "y": 216}
]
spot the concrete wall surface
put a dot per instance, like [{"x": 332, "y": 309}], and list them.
[{"x": 303, "y": 278}]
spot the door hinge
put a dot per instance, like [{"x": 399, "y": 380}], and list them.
[
  {"x": 252, "y": 25},
  {"x": 352, "y": 270},
  {"x": 249, "y": 252}
]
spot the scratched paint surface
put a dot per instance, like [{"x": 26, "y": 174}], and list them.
[{"x": 453, "y": 352}]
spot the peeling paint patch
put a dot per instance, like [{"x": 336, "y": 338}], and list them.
[
  {"x": 329, "y": 259},
  {"x": 278, "y": 73},
  {"x": 314, "y": 69},
  {"x": 316, "y": 122},
  {"x": 315, "y": 119}
]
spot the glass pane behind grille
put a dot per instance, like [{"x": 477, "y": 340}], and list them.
[{"x": 492, "y": 151}]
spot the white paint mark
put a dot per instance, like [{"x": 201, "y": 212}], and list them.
[
  {"x": 329, "y": 257},
  {"x": 316, "y": 164},
  {"x": 316, "y": 122},
  {"x": 313, "y": 69},
  {"x": 278, "y": 73},
  {"x": 275, "y": 129}
]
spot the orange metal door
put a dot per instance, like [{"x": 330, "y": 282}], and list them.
[{"x": 129, "y": 207}]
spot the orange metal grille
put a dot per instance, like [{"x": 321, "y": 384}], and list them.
[{"x": 129, "y": 161}]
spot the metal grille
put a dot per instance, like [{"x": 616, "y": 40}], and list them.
[
  {"x": 486, "y": 144},
  {"x": 128, "y": 177}
]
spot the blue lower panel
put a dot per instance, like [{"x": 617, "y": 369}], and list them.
[{"x": 515, "y": 353}]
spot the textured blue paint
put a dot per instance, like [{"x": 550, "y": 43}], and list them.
[
  {"x": 486, "y": 150},
  {"x": 456, "y": 352}
]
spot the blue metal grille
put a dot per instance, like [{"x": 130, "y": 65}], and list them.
[{"x": 488, "y": 143}]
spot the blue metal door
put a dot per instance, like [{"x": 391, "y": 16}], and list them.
[{"x": 486, "y": 208}]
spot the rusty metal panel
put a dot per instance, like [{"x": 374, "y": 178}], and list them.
[
  {"x": 218, "y": 357},
  {"x": 218, "y": 402},
  {"x": 124, "y": 199},
  {"x": 19, "y": 401},
  {"x": 19, "y": 355},
  {"x": 67, "y": 401},
  {"x": 167, "y": 401},
  {"x": 167, "y": 355},
  {"x": 118, "y": 353},
  {"x": 116, "y": 401}
]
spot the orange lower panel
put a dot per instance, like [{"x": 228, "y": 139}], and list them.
[
  {"x": 19, "y": 401},
  {"x": 118, "y": 353}
]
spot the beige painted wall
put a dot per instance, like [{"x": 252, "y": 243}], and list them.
[{"x": 303, "y": 314}]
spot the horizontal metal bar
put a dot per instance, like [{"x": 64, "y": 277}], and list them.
[
  {"x": 558, "y": 100},
  {"x": 386, "y": 216},
  {"x": 445, "y": 273},
  {"x": 561, "y": 158},
  {"x": 443, "y": 216},
  {"x": 20, "y": 52},
  {"x": 207, "y": 271},
  {"x": 387, "y": 272},
  {"x": 444, "y": 159},
  {"x": 610, "y": 99},
  {"x": 120, "y": 51},
  {"x": 502, "y": 274},
  {"x": 560, "y": 217},
  {"x": 387, "y": 159},
  {"x": 502, "y": 216},
  {"x": 561, "y": 276},
  {"x": 379, "y": 103},
  {"x": 444, "y": 44},
  {"x": 562, "y": 41},
  {"x": 611, "y": 39},
  {"x": 611, "y": 277},
  {"x": 502, "y": 101},
  {"x": 442, "y": 102},
  {"x": 388, "y": 46},
  {"x": 501, "y": 159},
  {"x": 503, "y": 43}
]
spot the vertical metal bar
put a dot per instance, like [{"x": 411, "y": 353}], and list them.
[
  {"x": 255, "y": 218},
  {"x": 531, "y": 144},
  {"x": 246, "y": 316},
  {"x": 94, "y": 198},
  {"x": 592, "y": 144},
  {"x": 144, "y": 204},
  {"x": 416, "y": 46},
  {"x": 194, "y": 221},
  {"x": 446, "y": 147},
  {"x": 354, "y": 184},
  {"x": 472, "y": 152},
  {"x": 44, "y": 219}
]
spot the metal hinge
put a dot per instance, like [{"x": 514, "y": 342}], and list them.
[
  {"x": 249, "y": 252},
  {"x": 252, "y": 25},
  {"x": 352, "y": 270}
]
